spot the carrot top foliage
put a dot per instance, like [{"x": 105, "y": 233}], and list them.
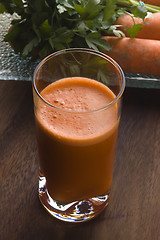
[{"x": 45, "y": 26}]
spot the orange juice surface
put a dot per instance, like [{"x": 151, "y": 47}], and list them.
[{"x": 76, "y": 147}]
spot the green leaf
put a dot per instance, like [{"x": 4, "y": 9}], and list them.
[
  {"x": 91, "y": 44},
  {"x": 103, "y": 44},
  {"x": 8, "y": 6},
  {"x": 18, "y": 3},
  {"x": 82, "y": 26},
  {"x": 12, "y": 34},
  {"x": 134, "y": 30},
  {"x": 18, "y": 7},
  {"x": 110, "y": 9},
  {"x": 90, "y": 10},
  {"x": 94, "y": 41},
  {"x": 51, "y": 25},
  {"x": 30, "y": 46},
  {"x": 66, "y": 4},
  {"x": 118, "y": 33},
  {"x": 61, "y": 9},
  {"x": 139, "y": 11},
  {"x": 37, "y": 31},
  {"x": 2, "y": 8},
  {"x": 45, "y": 51},
  {"x": 38, "y": 18},
  {"x": 51, "y": 42},
  {"x": 45, "y": 29}
]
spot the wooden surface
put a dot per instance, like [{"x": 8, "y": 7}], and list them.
[{"x": 134, "y": 209}]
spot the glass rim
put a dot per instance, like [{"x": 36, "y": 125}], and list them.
[{"x": 92, "y": 51}]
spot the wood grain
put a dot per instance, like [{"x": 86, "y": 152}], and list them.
[{"x": 134, "y": 209}]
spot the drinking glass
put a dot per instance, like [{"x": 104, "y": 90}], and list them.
[{"x": 77, "y": 104}]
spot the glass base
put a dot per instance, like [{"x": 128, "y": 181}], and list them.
[{"x": 78, "y": 211}]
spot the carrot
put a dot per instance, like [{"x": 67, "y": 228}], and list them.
[
  {"x": 152, "y": 2},
  {"x": 135, "y": 55},
  {"x": 150, "y": 27}
]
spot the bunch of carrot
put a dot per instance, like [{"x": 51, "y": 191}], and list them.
[
  {"x": 152, "y": 2},
  {"x": 142, "y": 53}
]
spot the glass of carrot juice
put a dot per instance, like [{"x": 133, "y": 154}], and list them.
[{"x": 77, "y": 104}]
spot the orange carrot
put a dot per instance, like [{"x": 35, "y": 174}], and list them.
[
  {"x": 152, "y": 2},
  {"x": 136, "y": 55},
  {"x": 150, "y": 28}
]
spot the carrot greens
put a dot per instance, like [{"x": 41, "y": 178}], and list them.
[{"x": 45, "y": 26}]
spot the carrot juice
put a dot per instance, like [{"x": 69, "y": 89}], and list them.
[{"x": 76, "y": 138}]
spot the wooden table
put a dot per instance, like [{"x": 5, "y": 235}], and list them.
[{"x": 134, "y": 209}]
